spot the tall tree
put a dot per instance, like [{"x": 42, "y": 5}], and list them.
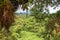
[{"x": 7, "y": 12}]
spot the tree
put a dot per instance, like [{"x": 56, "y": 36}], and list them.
[
  {"x": 7, "y": 13},
  {"x": 38, "y": 7},
  {"x": 7, "y": 16}
]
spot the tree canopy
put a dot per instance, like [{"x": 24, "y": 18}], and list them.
[{"x": 38, "y": 25}]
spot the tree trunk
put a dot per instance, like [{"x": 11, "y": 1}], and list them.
[{"x": 7, "y": 16}]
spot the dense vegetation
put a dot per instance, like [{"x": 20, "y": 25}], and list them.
[{"x": 38, "y": 25}]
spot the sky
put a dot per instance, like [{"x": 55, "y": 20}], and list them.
[
  {"x": 51, "y": 9},
  {"x": 20, "y": 10}
]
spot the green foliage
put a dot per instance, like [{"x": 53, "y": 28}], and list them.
[
  {"x": 32, "y": 27},
  {"x": 27, "y": 28}
]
